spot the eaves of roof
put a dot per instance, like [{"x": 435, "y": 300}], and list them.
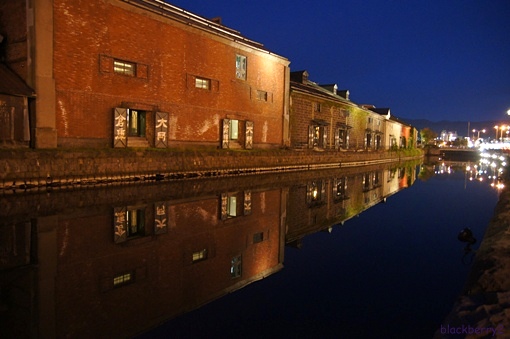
[
  {"x": 12, "y": 84},
  {"x": 312, "y": 89},
  {"x": 393, "y": 118},
  {"x": 178, "y": 14}
]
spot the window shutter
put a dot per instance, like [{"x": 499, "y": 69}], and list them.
[
  {"x": 311, "y": 130},
  {"x": 325, "y": 136},
  {"x": 160, "y": 218},
  {"x": 337, "y": 139},
  {"x": 119, "y": 224},
  {"x": 120, "y": 127},
  {"x": 223, "y": 207},
  {"x": 161, "y": 130},
  {"x": 247, "y": 203},
  {"x": 225, "y": 133},
  {"x": 249, "y": 135}
]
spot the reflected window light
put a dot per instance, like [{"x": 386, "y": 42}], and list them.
[
  {"x": 122, "y": 279},
  {"x": 236, "y": 267},
  {"x": 200, "y": 255}
]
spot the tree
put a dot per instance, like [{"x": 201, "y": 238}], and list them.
[{"x": 427, "y": 135}]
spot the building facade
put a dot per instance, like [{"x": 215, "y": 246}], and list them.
[
  {"x": 322, "y": 117},
  {"x": 145, "y": 74}
]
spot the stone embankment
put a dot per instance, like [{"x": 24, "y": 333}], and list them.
[
  {"x": 35, "y": 169},
  {"x": 484, "y": 306}
]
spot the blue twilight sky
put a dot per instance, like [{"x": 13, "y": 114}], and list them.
[{"x": 428, "y": 59}]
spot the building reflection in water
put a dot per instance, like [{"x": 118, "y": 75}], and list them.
[
  {"x": 489, "y": 168},
  {"x": 117, "y": 261}
]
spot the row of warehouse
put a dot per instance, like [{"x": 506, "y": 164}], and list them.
[{"x": 144, "y": 73}]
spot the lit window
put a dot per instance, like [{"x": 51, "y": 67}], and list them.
[
  {"x": 234, "y": 129},
  {"x": 122, "y": 279},
  {"x": 232, "y": 206},
  {"x": 202, "y": 83},
  {"x": 262, "y": 95},
  {"x": 241, "y": 67},
  {"x": 135, "y": 219},
  {"x": 200, "y": 255},
  {"x": 124, "y": 67},
  {"x": 236, "y": 267}
]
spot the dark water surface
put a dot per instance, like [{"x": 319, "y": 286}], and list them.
[
  {"x": 393, "y": 272},
  {"x": 369, "y": 252}
]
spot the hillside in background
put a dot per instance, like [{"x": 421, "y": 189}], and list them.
[{"x": 461, "y": 127}]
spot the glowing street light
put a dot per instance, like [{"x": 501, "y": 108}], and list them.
[
  {"x": 477, "y": 130},
  {"x": 501, "y": 128}
]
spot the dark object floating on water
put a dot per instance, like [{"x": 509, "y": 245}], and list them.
[{"x": 466, "y": 235}]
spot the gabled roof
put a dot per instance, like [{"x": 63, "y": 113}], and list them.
[
  {"x": 12, "y": 84},
  {"x": 299, "y": 81}
]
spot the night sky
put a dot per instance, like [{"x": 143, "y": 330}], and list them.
[{"x": 432, "y": 59}]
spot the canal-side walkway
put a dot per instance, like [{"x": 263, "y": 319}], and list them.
[{"x": 483, "y": 309}]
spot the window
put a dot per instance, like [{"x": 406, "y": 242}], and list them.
[
  {"x": 317, "y": 107},
  {"x": 232, "y": 206},
  {"x": 124, "y": 67},
  {"x": 200, "y": 255},
  {"x": 135, "y": 219},
  {"x": 202, "y": 83},
  {"x": 236, "y": 267},
  {"x": 258, "y": 237},
  {"x": 136, "y": 123},
  {"x": 240, "y": 67},
  {"x": 122, "y": 279},
  {"x": 340, "y": 189},
  {"x": 368, "y": 139},
  {"x": 342, "y": 138},
  {"x": 234, "y": 129},
  {"x": 262, "y": 95}
]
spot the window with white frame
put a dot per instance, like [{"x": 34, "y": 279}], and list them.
[
  {"x": 241, "y": 67},
  {"x": 202, "y": 83},
  {"x": 124, "y": 67},
  {"x": 234, "y": 129}
]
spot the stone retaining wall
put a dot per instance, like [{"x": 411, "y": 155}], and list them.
[
  {"x": 35, "y": 168},
  {"x": 485, "y": 301}
]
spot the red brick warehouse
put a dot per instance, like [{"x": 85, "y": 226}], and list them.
[{"x": 146, "y": 73}]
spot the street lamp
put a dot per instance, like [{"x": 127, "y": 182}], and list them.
[{"x": 479, "y": 131}]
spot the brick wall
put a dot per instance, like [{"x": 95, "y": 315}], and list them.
[
  {"x": 13, "y": 27},
  {"x": 168, "y": 56}
]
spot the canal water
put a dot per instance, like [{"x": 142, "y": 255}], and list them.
[{"x": 347, "y": 253}]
